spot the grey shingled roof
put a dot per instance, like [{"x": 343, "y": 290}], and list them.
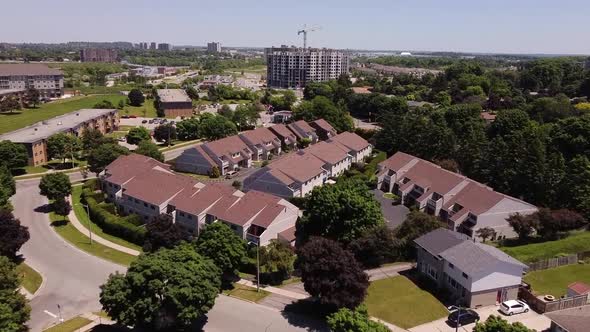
[
  {"x": 458, "y": 249},
  {"x": 573, "y": 319},
  {"x": 440, "y": 240}
]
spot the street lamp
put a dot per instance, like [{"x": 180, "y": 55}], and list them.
[
  {"x": 257, "y": 264},
  {"x": 89, "y": 223}
]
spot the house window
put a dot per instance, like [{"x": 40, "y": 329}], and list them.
[
  {"x": 153, "y": 207},
  {"x": 465, "y": 275},
  {"x": 190, "y": 217},
  {"x": 181, "y": 214},
  {"x": 451, "y": 266},
  {"x": 145, "y": 204}
]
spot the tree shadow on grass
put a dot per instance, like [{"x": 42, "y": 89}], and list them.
[
  {"x": 45, "y": 208},
  {"x": 307, "y": 314},
  {"x": 428, "y": 285},
  {"x": 58, "y": 223}
]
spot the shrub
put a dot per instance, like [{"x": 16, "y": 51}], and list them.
[{"x": 103, "y": 215}]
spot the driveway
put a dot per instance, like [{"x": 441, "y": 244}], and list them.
[
  {"x": 531, "y": 319},
  {"x": 394, "y": 214}
]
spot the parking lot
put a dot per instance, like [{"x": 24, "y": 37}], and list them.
[
  {"x": 394, "y": 214},
  {"x": 531, "y": 319}
]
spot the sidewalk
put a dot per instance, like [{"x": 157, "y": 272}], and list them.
[
  {"x": 78, "y": 225},
  {"x": 274, "y": 290},
  {"x": 385, "y": 272}
]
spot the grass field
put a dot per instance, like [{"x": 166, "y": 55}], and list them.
[
  {"x": 399, "y": 301},
  {"x": 246, "y": 293},
  {"x": 146, "y": 110},
  {"x": 72, "y": 235},
  {"x": 577, "y": 242},
  {"x": 31, "y": 280},
  {"x": 26, "y": 117},
  {"x": 80, "y": 212},
  {"x": 70, "y": 325},
  {"x": 555, "y": 281}
]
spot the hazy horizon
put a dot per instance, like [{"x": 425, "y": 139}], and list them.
[{"x": 525, "y": 27}]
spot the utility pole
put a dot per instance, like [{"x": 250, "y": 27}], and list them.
[{"x": 258, "y": 266}]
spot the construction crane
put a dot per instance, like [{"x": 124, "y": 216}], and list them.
[{"x": 304, "y": 31}]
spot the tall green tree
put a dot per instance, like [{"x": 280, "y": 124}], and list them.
[
  {"x": 342, "y": 212},
  {"x": 62, "y": 146},
  {"x": 14, "y": 309},
  {"x": 167, "y": 290},
  {"x": 13, "y": 155},
  {"x": 55, "y": 186},
  {"x": 276, "y": 261},
  {"x": 138, "y": 134},
  {"x": 331, "y": 274},
  {"x": 165, "y": 133},
  {"x": 7, "y": 187},
  {"x": 323, "y": 108},
  {"x": 33, "y": 96},
  {"x": 102, "y": 156},
  {"x": 188, "y": 129},
  {"x": 216, "y": 127},
  {"x": 149, "y": 149},
  {"x": 222, "y": 245},
  {"x": 162, "y": 232},
  {"x": 12, "y": 234},
  {"x": 9, "y": 104},
  {"x": 575, "y": 187},
  {"x": 136, "y": 97},
  {"x": 245, "y": 116}
]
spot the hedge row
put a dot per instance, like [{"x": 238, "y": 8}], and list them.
[{"x": 103, "y": 214}]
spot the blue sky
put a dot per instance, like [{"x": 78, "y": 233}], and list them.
[{"x": 516, "y": 26}]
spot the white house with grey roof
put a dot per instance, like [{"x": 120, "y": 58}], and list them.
[{"x": 476, "y": 274}]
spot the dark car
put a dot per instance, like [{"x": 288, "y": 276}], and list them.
[{"x": 462, "y": 317}]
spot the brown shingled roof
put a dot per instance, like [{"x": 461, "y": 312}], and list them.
[
  {"x": 330, "y": 153},
  {"x": 126, "y": 167},
  {"x": 260, "y": 135},
  {"x": 350, "y": 140},
  {"x": 283, "y": 131},
  {"x": 27, "y": 69},
  {"x": 157, "y": 187},
  {"x": 297, "y": 167},
  {"x": 397, "y": 161},
  {"x": 228, "y": 146},
  {"x": 325, "y": 125},
  {"x": 300, "y": 126}
]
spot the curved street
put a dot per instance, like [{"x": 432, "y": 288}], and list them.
[{"x": 71, "y": 277}]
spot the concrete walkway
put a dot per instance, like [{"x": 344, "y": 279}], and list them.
[
  {"x": 385, "y": 272},
  {"x": 275, "y": 290},
  {"x": 78, "y": 225}
]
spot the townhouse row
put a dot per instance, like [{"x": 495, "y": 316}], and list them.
[
  {"x": 238, "y": 151},
  {"x": 141, "y": 185},
  {"x": 296, "y": 175},
  {"x": 463, "y": 204}
]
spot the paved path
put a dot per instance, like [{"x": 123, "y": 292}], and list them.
[
  {"x": 70, "y": 277},
  {"x": 275, "y": 290},
  {"x": 78, "y": 225},
  {"x": 388, "y": 271}
]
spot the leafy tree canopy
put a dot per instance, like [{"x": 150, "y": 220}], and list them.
[
  {"x": 138, "y": 134},
  {"x": 163, "y": 233},
  {"x": 12, "y": 234},
  {"x": 149, "y": 149},
  {"x": 55, "y": 186},
  {"x": 222, "y": 245},
  {"x": 102, "y": 156},
  {"x": 357, "y": 320},
  {"x": 13, "y": 155},
  {"x": 14, "y": 309}
]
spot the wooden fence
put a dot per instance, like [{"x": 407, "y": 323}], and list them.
[
  {"x": 558, "y": 261},
  {"x": 542, "y": 306}
]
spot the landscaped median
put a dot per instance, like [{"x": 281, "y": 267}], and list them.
[
  {"x": 70, "y": 325},
  {"x": 31, "y": 280},
  {"x": 246, "y": 293},
  {"x": 69, "y": 233}
]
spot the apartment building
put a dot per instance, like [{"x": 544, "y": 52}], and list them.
[
  {"x": 214, "y": 47},
  {"x": 48, "y": 81},
  {"x": 153, "y": 46},
  {"x": 293, "y": 67},
  {"x": 98, "y": 55},
  {"x": 141, "y": 185},
  {"x": 174, "y": 102},
  {"x": 297, "y": 174},
  {"x": 227, "y": 154},
  {"x": 164, "y": 47},
  {"x": 475, "y": 274},
  {"x": 323, "y": 129},
  {"x": 262, "y": 142},
  {"x": 286, "y": 136},
  {"x": 303, "y": 130},
  {"x": 464, "y": 204},
  {"x": 34, "y": 137}
]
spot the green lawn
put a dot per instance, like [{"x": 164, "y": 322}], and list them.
[
  {"x": 147, "y": 108},
  {"x": 31, "y": 280},
  {"x": 179, "y": 144},
  {"x": 555, "y": 281},
  {"x": 577, "y": 242},
  {"x": 70, "y": 325},
  {"x": 83, "y": 218},
  {"x": 246, "y": 293},
  {"x": 52, "y": 165},
  {"x": 26, "y": 117},
  {"x": 399, "y": 301},
  {"x": 72, "y": 235}
]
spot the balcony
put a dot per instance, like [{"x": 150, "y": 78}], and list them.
[{"x": 252, "y": 238}]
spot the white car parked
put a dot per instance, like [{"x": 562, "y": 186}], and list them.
[{"x": 512, "y": 307}]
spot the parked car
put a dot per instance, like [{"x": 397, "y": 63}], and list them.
[
  {"x": 132, "y": 116},
  {"x": 512, "y": 307},
  {"x": 151, "y": 121},
  {"x": 125, "y": 117},
  {"x": 144, "y": 121},
  {"x": 462, "y": 317},
  {"x": 230, "y": 174}
]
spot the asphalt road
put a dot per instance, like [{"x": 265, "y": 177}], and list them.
[{"x": 71, "y": 278}]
